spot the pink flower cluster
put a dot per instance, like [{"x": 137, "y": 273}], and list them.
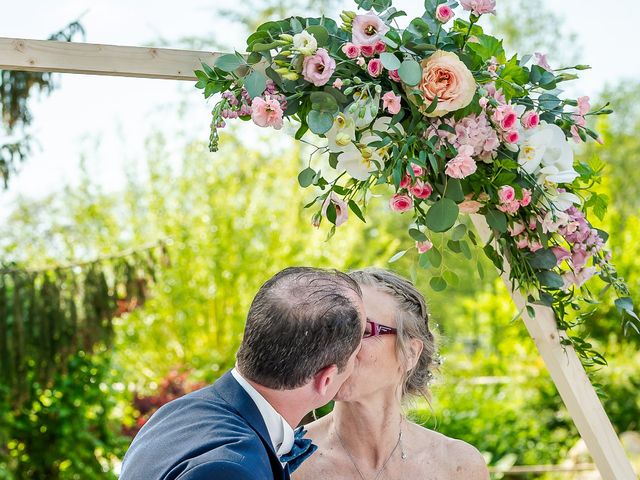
[
  {"x": 578, "y": 117},
  {"x": 509, "y": 203},
  {"x": 463, "y": 164},
  {"x": 503, "y": 116},
  {"x": 410, "y": 188},
  {"x": 358, "y": 52},
  {"x": 524, "y": 234},
  {"x": 265, "y": 111}
]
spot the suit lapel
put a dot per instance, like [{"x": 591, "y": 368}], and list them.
[{"x": 231, "y": 391}]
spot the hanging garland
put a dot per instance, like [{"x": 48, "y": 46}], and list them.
[
  {"x": 47, "y": 315},
  {"x": 442, "y": 116}
]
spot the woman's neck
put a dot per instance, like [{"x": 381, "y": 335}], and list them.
[{"x": 369, "y": 430}]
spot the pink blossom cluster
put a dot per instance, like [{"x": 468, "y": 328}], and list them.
[
  {"x": 266, "y": 110},
  {"x": 479, "y": 7},
  {"x": 523, "y": 233},
  {"x": 578, "y": 117},
  {"x": 509, "y": 203},
  {"x": 411, "y": 188},
  {"x": 359, "y": 52},
  {"x": 503, "y": 114}
]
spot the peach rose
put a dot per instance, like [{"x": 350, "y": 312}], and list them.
[{"x": 446, "y": 77}]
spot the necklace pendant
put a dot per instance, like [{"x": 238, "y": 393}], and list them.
[{"x": 404, "y": 456}]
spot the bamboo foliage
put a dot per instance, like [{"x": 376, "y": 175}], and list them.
[{"x": 48, "y": 315}]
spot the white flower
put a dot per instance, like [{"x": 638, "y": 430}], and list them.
[
  {"x": 554, "y": 220},
  {"x": 362, "y": 160},
  {"x": 545, "y": 152},
  {"x": 342, "y": 133},
  {"x": 305, "y": 43},
  {"x": 562, "y": 200}
]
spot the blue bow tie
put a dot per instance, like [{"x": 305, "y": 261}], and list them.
[{"x": 302, "y": 449}]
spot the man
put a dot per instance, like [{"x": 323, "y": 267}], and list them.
[{"x": 303, "y": 331}]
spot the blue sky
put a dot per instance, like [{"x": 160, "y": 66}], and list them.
[{"x": 106, "y": 119}]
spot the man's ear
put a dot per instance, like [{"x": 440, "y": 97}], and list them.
[
  {"x": 415, "y": 350},
  {"x": 323, "y": 379}
]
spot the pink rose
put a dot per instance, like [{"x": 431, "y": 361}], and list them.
[
  {"x": 516, "y": 229},
  {"x": 506, "y": 194},
  {"x": 393, "y": 75},
  {"x": 337, "y": 83},
  {"x": 380, "y": 46},
  {"x": 351, "y": 50},
  {"x": 405, "y": 182},
  {"x": 390, "y": 100},
  {"x": 506, "y": 116},
  {"x": 444, "y": 13},
  {"x": 510, "y": 207},
  {"x": 561, "y": 253},
  {"x": 462, "y": 165},
  {"x": 530, "y": 119},
  {"x": 534, "y": 246},
  {"x": 361, "y": 62},
  {"x": 367, "y": 29},
  {"x": 479, "y": 7},
  {"x": 266, "y": 112},
  {"x": 375, "y": 68},
  {"x": 444, "y": 76},
  {"x": 368, "y": 50},
  {"x": 401, "y": 203},
  {"x": 526, "y": 197},
  {"x": 318, "y": 68},
  {"x": 424, "y": 247},
  {"x": 512, "y": 137},
  {"x": 421, "y": 190},
  {"x": 417, "y": 170},
  {"x": 342, "y": 211}
]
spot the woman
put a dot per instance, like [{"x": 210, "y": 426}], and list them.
[{"x": 366, "y": 436}]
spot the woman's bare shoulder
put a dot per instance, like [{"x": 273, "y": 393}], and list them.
[{"x": 462, "y": 459}]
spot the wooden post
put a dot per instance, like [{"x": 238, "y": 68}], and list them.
[
  {"x": 571, "y": 381},
  {"x": 563, "y": 364}
]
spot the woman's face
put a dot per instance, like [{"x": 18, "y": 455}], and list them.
[{"x": 378, "y": 368}]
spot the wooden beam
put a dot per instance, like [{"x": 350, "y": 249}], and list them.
[
  {"x": 96, "y": 59},
  {"x": 571, "y": 381}
]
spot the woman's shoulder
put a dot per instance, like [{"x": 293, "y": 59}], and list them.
[{"x": 462, "y": 459}]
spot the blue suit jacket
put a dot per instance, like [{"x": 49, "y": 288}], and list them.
[{"x": 214, "y": 433}]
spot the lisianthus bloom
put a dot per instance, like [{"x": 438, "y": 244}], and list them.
[
  {"x": 444, "y": 76},
  {"x": 266, "y": 112},
  {"x": 318, "y": 68},
  {"x": 541, "y": 61},
  {"x": 305, "y": 43},
  {"x": 479, "y": 7},
  {"x": 367, "y": 29},
  {"x": 342, "y": 211},
  {"x": 391, "y": 102},
  {"x": 401, "y": 203},
  {"x": 462, "y": 165}
]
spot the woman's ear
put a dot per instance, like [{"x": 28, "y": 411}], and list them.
[{"x": 415, "y": 350}]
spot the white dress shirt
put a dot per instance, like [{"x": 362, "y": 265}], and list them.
[{"x": 280, "y": 431}]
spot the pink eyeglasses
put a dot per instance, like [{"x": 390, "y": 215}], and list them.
[{"x": 373, "y": 329}]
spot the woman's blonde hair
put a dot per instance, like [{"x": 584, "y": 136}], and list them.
[{"x": 412, "y": 321}]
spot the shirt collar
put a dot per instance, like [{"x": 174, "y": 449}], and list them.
[{"x": 280, "y": 432}]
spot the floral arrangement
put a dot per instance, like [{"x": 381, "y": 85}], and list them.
[{"x": 439, "y": 114}]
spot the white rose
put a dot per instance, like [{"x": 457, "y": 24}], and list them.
[
  {"x": 545, "y": 152},
  {"x": 305, "y": 43}
]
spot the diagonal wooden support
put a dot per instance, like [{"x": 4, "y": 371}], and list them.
[
  {"x": 571, "y": 381},
  {"x": 563, "y": 364}
]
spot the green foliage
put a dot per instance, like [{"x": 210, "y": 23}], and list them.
[{"x": 70, "y": 430}]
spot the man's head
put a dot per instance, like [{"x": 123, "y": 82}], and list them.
[{"x": 304, "y": 326}]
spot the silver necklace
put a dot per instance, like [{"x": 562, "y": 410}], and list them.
[{"x": 398, "y": 444}]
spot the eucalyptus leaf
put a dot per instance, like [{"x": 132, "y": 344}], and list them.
[
  {"x": 410, "y": 72},
  {"x": 442, "y": 215}
]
